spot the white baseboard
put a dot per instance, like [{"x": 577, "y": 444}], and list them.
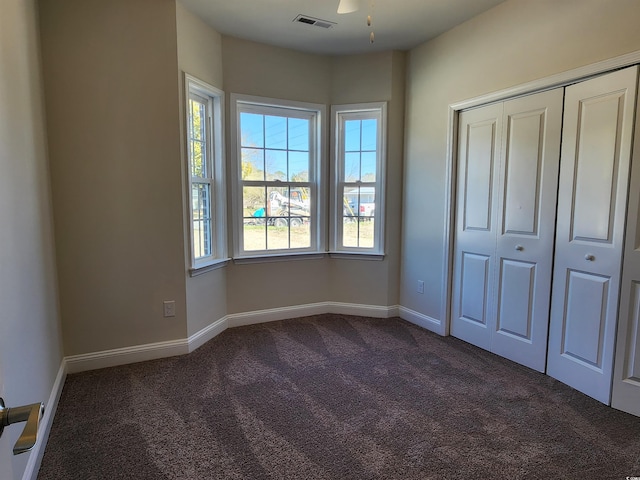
[
  {"x": 153, "y": 351},
  {"x": 364, "y": 310},
  {"x": 275, "y": 314},
  {"x": 421, "y": 320},
  {"x": 124, "y": 356},
  {"x": 36, "y": 454},
  {"x": 203, "y": 336}
]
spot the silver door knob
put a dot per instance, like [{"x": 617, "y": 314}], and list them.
[
  {"x": 519, "y": 248},
  {"x": 589, "y": 257},
  {"x": 27, "y": 413}
]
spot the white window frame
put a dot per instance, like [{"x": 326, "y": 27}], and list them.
[
  {"x": 340, "y": 114},
  {"x": 215, "y": 175},
  {"x": 316, "y": 113}
]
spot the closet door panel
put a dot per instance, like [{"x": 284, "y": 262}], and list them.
[
  {"x": 515, "y": 305},
  {"x": 478, "y": 168},
  {"x": 584, "y": 321},
  {"x": 626, "y": 378},
  {"x": 523, "y": 169},
  {"x": 474, "y": 288},
  {"x": 473, "y": 305},
  {"x": 626, "y": 383},
  {"x": 594, "y": 176},
  {"x": 524, "y": 248},
  {"x": 595, "y": 168}
]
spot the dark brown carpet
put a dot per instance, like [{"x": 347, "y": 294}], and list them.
[{"x": 334, "y": 397}]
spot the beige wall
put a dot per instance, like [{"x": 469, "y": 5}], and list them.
[
  {"x": 30, "y": 338},
  {"x": 255, "y": 69},
  {"x": 514, "y": 43},
  {"x": 369, "y": 78},
  {"x": 199, "y": 48},
  {"x": 111, "y": 85},
  {"x": 199, "y": 55}
]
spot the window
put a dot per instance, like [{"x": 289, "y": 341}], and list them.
[
  {"x": 358, "y": 178},
  {"x": 205, "y": 173},
  {"x": 277, "y": 164}
]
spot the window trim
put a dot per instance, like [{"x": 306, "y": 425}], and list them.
[
  {"x": 262, "y": 105},
  {"x": 216, "y": 175},
  {"x": 340, "y": 113}
]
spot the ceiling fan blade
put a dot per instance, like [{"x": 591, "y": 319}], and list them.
[{"x": 348, "y": 6}]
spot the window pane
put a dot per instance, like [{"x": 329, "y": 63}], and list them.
[
  {"x": 352, "y": 167},
  {"x": 369, "y": 134},
  {"x": 198, "y": 155},
  {"x": 276, "y": 164},
  {"x": 350, "y": 233},
  {"x": 299, "y": 134},
  {"x": 351, "y": 201},
  {"x": 298, "y": 166},
  {"x": 278, "y": 234},
  {"x": 359, "y": 201},
  {"x": 278, "y": 202},
  {"x": 197, "y": 119},
  {"x": 197, "y": 137},
  {"x": 352, "y": 135},
  {"x": 368, "y": 167},
  {"x": 300, "y": 232},
  {"x": 253, "y": 200},
  {"x": 251, "y": 130},
  {"x": 358, "y": 232},
  {"x": 201, "y": 208},
  {"x": 254, "y": 236},
  {"x": 275, "y": 132},
  {"x": 252, "y": 164},
  {"x": 254, "y": 218}
]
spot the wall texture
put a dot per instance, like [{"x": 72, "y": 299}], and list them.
[
  {"x": 111, "y": 86},
  {"x": 514, "y": 43},
  {"x": 30, "y": 338}
]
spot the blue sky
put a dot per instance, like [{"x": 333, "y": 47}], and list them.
[{"x": 276, "y": 134}]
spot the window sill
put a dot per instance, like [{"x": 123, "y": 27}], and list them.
[
  {"x": 209, "y": 266},
  {"x": 278, "y": 257},
  {"x": 357, "y": 256}
]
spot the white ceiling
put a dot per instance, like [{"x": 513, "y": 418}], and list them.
[{"x": 398, "y": 24}]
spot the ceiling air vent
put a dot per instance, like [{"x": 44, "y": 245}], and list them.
[{"x": 306, "y": 19}]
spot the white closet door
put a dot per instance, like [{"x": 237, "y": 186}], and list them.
[
  {"x": 594, "y": 175},
  {"x": 507, "y": 183},
  {"x": 626, "y": 376},
  {"x": 473, "y": 309},
  {"x": 527, "y": 211}
]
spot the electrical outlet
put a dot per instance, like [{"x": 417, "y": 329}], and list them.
[
  {"x": 169, "y": 308},
  {"x": 420, "y": 286}
]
